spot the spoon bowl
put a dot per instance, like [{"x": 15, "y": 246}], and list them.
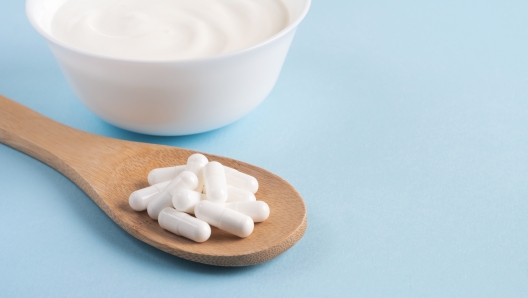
[{"x": 109, "y": 170}]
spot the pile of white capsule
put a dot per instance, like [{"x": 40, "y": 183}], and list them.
[{"x": 217, "y": 195}]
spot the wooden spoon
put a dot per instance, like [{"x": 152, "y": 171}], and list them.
[{"x": 109, "y": 170}]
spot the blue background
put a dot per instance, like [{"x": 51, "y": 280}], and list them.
[{"x": 402, "y": 124}]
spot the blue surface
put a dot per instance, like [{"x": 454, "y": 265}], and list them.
[{"x": 402, "y": 124}]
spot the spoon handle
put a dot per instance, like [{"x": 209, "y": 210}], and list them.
[
  {"x": 78, "y": 155},
  {"x": 32, "y": 133}
]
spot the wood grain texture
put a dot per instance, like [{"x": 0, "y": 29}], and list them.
[{"x": 109, "y": 170}]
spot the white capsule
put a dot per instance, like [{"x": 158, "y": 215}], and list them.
[
  {"x": 241, "y": 180},
  {"x": 215, "y": 182},
  {"x": 140, "y": 199},
  {"x": 185, "y": 200},
  {"x": 183, "y": 224},
  {"x": 164, "y": 198},
  {"x": 164, "y": 174},
  {"x": 235, "y": 194},
  {"x": 195, "y": 164},
  {"x": 224, "y": 218},
  {"x": 258, "y": 210}
]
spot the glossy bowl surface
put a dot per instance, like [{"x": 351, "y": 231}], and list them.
[{"x": 170, "y": 97}]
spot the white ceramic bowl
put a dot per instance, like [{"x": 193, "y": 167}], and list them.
[{"x": 170, "y": 97}]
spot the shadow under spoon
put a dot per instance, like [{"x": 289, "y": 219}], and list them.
[{"x": 109, "y": 170}]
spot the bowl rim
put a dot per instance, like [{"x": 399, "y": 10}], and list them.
[{"x": 292, "y": 26}]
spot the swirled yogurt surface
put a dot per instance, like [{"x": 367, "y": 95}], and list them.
[{"x": 167, "y": 29}]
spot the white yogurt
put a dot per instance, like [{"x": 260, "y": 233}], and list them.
[{"x": 167, "y": 29}]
